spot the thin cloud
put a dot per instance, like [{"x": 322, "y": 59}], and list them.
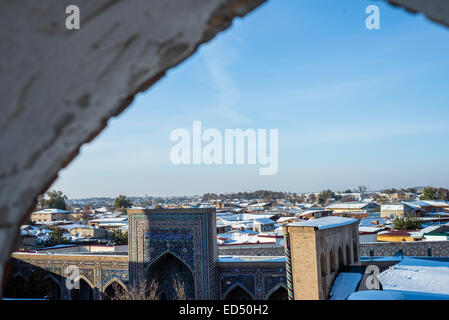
[{"x": 218, "y": 59}]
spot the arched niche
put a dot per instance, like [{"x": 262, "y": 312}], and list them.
[
  {"x": 113, "y": 289},
  {"x": 355, "y": 252},
  {"x": 85, "y": 291},
  {"x": 332, "y": 261},
  {"x": 348, "y": 255},
  {"x": 54, "y": 290},
  {"x": 341, "y": 258},
  {"x": 15, "y": 286},
  {"x": 279, "y": 293},
  {"x": 238, "y": 293},
  {"x": 173, "y": 277}
]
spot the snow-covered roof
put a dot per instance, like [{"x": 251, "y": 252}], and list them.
[
  {"x": 325, "y": 223},
  {"x": 307, "y": 212},
  {"x": 251, "y": 259},
  {"x": 373, "y": 220},
  {"x": 107, "y": 215},
  {"x": 110, "y": 220},
  {"x": 242, "y": 224},
  {"x": 246, "y": 237},
  {"x": 429, "y": 229},
  {"x": 264, "y": 221},
  {"x": 418, "y": 275},
  {"x": 237, "y": 238},
  {"x": 51, "y": 211},
  {"x": 440, "y": 213},
  {"x": 222, "y": 223},
  {"x": 348, "y": 205},
  {"x": 224, "y": 213},
  {"x": 57, "y": 222},
  {"x": 276, "y": 232},
  {"x": 113, "y": 224},
  {"x": 436, "y": 203},
  {"x": 282, "y": 219},
  {"x": 417, "y": 204},
  {"x": 246, "y": 217},
  {"x": 376, "y": 295},
  {"x": 345, "y": 284},
  {"x": 75, "y": 226},
  {"x": 396, "y": 295},
  {"x": 370, "y": 229},
  {"x": 393, "y": 207},
  {"x": 259, "y": 204}
]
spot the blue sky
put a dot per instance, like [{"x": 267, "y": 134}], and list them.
[{"x": 353, "y": 106}]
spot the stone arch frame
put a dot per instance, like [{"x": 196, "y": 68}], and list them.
[
  {"x": 333, "y": 266},
  {"x": 348, "y": 254},
  {"x": 323, "y": 266},
  {"x": 277, "y": 286},
  {"x": 18, "y": 280},
  {"x": 21, "y": 275},
  {"x": 341, "y": 258},
  {"x": 235, "y": 285},
  {"x": 111, "y": 281},
  {"x": 168, "y": 252},
  {"x": 324, "y": 271},
  {"x": 355, "y": 253},
  {"x": 91, "y": 285},
  {"x": 148, "y": 266}
]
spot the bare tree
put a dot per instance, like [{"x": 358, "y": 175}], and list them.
[
  {"x": 179, "y": 287},
  {"x": 137, "y": 291}
]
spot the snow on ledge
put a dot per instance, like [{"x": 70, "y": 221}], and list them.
[{"x": 324, "y": 223}]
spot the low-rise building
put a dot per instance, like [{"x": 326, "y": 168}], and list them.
[
  {"x": 223, "y": 226},
  {"x": 396, "y": 236},
  {"x": 429, "y": 206},
  {"x": 85, "y": 231},
  {"x": 314, "y": 213},
  {"x": 397, "y": 210},
  {"x": 263, "y": 225},
  {"x": 286, "y": 220},
  {"x": 341, "y": 207},
  {"x": 369, "y": 234},
  {"x": 433, "y": 236},
  {"x": 48, "y": 215},
  {"x": 109, "y": 223}
]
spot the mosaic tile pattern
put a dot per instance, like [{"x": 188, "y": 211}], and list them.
[{"x": 188, "y": 234}]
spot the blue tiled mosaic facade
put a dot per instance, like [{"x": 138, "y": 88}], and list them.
[{"x": 188, "y": 234}]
